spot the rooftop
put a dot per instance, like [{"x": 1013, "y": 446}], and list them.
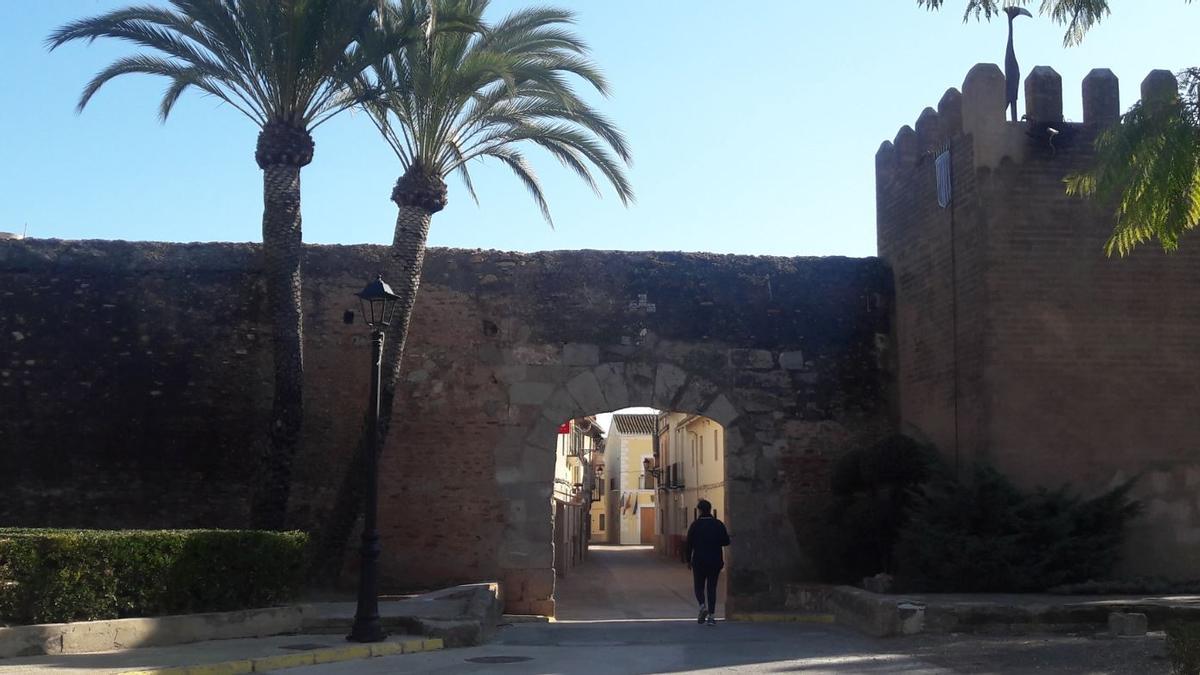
[{"x": 635, "y": 424}]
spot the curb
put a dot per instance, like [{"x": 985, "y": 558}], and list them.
[
  {"x": 80, "y": 637},
  {"x": 316, "y": 656},
  {"x": 779, "y": 617}
]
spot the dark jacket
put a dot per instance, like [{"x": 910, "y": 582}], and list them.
[{"x": 705, "y": 538}]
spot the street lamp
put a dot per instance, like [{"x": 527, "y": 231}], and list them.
[{"x": 378, "y": 305}]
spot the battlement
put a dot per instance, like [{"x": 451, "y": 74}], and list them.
[{"x": 979, "y": 111}]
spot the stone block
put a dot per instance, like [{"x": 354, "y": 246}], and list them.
[
  {"x": 667, "y": 383},
  {"x": 792, "y": 360},
  {"x": 695, "y": 394},
  {"x": 560, "y": 407},
  {"x": 538, "y": 584},
  {"x": 507, "y": 475},
  {"x": 1159, "y": 85},
  {"x": 721, "y": 411},
  {"x": 639, "y": 378},
  {"x": 586, "y": 391},
  {"x": 31, "y": 640},
  {"x": 512, "y": 374},
  {"x": 1043, "y": 95},
  {"x": 579, "y": 354},
  {"x": 534, "y": 355},
  {"x": 611, "y": 377},
  {"x": 754, "y": 359},
  {"x": 529, "y": 393},
  {"x": 1127, "y": 624},
  {"x": 1101, "y": 97}
]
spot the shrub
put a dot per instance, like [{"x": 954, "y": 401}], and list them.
[
  {"x": 871, "y": 489},
  {"x": 988, "y": 536},
  {"x": 1183, "y": 647},
  {"x": 51, "y": 576}
]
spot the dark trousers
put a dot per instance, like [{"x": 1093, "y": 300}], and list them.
[{"x": 705, "y": 583}]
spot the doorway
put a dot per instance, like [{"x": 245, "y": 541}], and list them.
[{"x": 648, "y": 535}]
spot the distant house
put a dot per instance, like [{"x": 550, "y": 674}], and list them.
[
  {"x": 631, "y": 501},
  {"x": 574, "y": 479}
]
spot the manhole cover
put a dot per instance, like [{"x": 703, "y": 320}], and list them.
[
  {"x": 304, "y": 646},
  {"x": 500, "y": 659}
]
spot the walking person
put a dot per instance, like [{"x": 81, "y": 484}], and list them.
[{"x": 705, "y": 539}]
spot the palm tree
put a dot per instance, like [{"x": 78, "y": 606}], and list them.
[
  {"x": 1079, "y": 16},
  {"x": 456, "y": 96},
  {"x": 286, "y": 65}
]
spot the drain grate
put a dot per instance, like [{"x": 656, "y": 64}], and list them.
[
  {"x": 500, "y": 659},
  {"x": 304, "y": 646}
]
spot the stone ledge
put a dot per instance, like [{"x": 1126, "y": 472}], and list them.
[
  {"x": 884, "y": 615},
  {"x": 82, "y": 637},
  {"x": 460, "y": 616},
  {"x": 410, "y": 645}
]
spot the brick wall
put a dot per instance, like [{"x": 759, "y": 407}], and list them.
[{"x": 1071, "y": 366}]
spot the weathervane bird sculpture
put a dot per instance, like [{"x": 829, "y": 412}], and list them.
[{"x": 1012, "y": 71}]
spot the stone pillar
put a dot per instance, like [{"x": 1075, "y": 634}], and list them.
[
  {"x": 1043, "y": 96},
  {"x": 1101, "y": 98},
  {"x": 1159, "y": 85}
]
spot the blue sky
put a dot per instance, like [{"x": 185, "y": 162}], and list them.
[{"x": 754, "y": 128}]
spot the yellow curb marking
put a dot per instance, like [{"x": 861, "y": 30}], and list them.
[
  {"x": 342, "y": 654},
  {"x": 386, "y": 648},
  {"x": 281, "y": 661}
]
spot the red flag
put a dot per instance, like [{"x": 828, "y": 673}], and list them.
[{"x": 565, "y": 428}]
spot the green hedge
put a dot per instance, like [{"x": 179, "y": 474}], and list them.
[
  {"x": 50, "y": 576},
  {"x": 986, "y": 535}
]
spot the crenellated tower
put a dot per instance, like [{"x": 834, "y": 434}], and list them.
[{"x": 1019, "y": 342}]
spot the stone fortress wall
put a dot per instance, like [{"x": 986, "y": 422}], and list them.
[
  {"x": 135, "y": 388},
  {"x": 1019, "y": 342}
]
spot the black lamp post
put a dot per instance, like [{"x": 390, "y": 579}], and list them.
[{"x": 378, "y": 305}]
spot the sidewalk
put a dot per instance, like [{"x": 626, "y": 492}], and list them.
[
  {"x": 910, "y": 614},
  {"x": 224, "y": 657},
  {"x": 251, "y": 640}
]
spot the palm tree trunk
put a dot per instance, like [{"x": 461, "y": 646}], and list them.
[
  {"x": 282, "y": 248},
  {"x": 403, "y": 274}
]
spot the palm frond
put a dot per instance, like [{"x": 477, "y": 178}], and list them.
[
  {"x": 460, "y": 95},
  {"x": 1148, "y": 166},
  {"x": 1079, "y": 16},
  {"x": 291, "y": 61}
]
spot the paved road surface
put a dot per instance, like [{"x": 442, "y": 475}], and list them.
[
  {"x": 629, "y": 582},
  {"x": 628, "y": 611}
]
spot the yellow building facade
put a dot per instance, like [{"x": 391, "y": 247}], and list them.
[
  {"x": 577, "y": 442},
  {"x": 632, "y": 503},
  {"x": 690, "y": 466}
]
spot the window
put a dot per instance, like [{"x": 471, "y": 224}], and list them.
[
  {"x": 601, "y": 522},
  {"x": 701, "y": 449},
  {"x": 716, "y": 444}
]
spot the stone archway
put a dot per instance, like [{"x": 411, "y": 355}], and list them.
[{"x": 524, "y": 463}]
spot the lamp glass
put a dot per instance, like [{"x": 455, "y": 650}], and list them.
[{"x": 378, "y": 303}]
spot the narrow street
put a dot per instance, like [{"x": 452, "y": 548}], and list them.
[{"x": 628, "y": 582}]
